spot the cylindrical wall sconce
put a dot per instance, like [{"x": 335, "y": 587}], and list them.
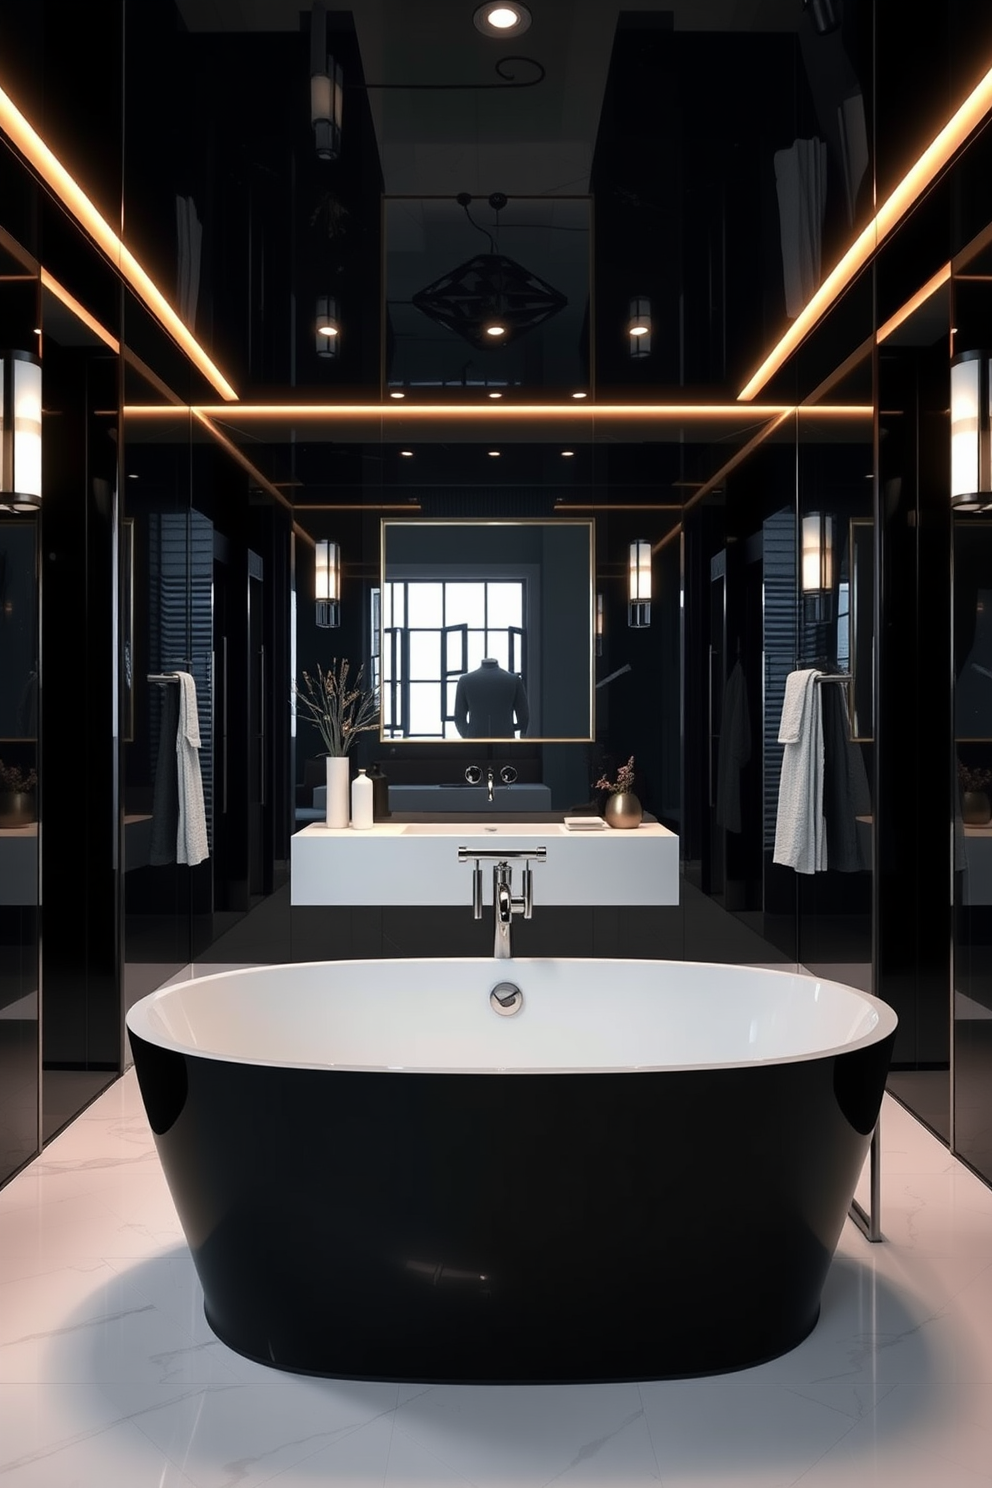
[
  {"x": 971, "y": 439},
  {"x": 817, "y": 564},
  {"x": 639, "y": 585},
  {"x": 327, "y": 328},
  {"x": 818, "y": 553},
  {"x": 599, "y": 625},
  {"x": 20, "y": 431},
  {"x": 639, "y": 326},
  {"x": 326, "y": 88},
  {"x": 327, "y": 583}
]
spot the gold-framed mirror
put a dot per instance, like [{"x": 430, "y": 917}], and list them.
[{"x": 485, "y": 630}]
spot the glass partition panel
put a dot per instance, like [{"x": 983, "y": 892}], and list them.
[{"x": 835, "y": 463}]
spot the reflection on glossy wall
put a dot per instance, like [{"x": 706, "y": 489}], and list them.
[
  {"x": 973, "y": 840},
  {"x": 19, "y": 1003},
  {"x": 804, "y": 525}
]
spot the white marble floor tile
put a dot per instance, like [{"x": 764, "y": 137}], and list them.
[
  {"x": 936, "y": 1436},
  {"x": 750, "y": 1435},
  {"x": 119, "y": 1456},
  {"x": 83, "y": 1436},
  {"x": 621, "y": 1457},
  {"x": 491, "y": 1435},
  {"x": 249, "y": 1434},
  {"x": 168, "y": 1281},
  {"x": 110, "y": 1375},
  {"x": 46, "y": 1237}
]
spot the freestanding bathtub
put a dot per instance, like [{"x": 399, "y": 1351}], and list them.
[{"x": 642, "y": 1173}]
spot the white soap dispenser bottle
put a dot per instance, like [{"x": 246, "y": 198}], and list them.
[{"x": 362, "y": 792}]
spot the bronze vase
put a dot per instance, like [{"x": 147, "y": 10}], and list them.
[
  {"x": 976, "y": 808},
  {"x": 17, "y": 808},
  {"x": 623, "y": 809}
]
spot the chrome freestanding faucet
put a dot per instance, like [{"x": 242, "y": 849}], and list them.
[{"x": 505, "y": 906}]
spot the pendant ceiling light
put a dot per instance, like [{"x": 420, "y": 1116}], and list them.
[
  {"x": 971, "y": 432},
  {"x": 327, "y": 583},
  {"x": 489, "y": 300},
  {"x": 20, "y": 431},
  {"x": 639, "y": 585}
]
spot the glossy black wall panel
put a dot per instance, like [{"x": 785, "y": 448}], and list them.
[
  {"x": 80, "y": 866},
  {"x": 912, "y": 897}
]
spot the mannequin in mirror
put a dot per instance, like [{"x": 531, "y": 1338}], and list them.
[{"x": 491, "y": 703}]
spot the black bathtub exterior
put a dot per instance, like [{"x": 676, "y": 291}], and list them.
[{"x": 512, "y": 1227}]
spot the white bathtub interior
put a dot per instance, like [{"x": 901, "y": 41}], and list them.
[{"x": 577, "y": 1015}]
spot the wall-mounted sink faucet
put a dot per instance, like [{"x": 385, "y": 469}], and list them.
[
  {"x": 473, "y": 775},
  {"x": 505, "y": 906}
]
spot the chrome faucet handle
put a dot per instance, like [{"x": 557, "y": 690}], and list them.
[
  {"x": 477, "y": 891},
  {"x": 508, "y": 774},
  {"x": 503, "y": 892},
  {"x": 473, "y": 774},
  {"x": 503, "y": 854},
  {"x": 528, "y": 895}
]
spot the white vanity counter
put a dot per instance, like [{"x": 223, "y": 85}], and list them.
[{"x": 416, "y": 863}]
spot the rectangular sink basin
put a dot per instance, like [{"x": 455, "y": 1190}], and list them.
[
  {"x": 472, "y": 798},
  {"x": 473, "y": 832}
]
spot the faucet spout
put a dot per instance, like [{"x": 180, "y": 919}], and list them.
[
  {"x": 505, "y": 906},
  {"x": 503, "y": 916},
  {"x": 489, "y": 783}
]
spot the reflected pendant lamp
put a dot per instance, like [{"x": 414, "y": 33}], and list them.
[
  {"x": 639, "y": 585},
  {"x": 326, "y": 89},
  {"x": 971, "y": 432},
  {"x": 327, "y": 584},
  {"x": 20, "y": 431},
  {"x": 327, "y": 328},
  {"x": 639, "y": 327},
  {"x": 490, "y": 300}
]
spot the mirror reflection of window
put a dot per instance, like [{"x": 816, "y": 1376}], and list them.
[
  {"x": 517, "y": 593},
  {"x": 843, "y": 626},
  {"x": 436, "y": 631}
]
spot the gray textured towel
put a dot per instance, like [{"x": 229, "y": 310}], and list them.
[
  {"x": 191, "y": 830},
  {"x": 800, "y": 839}
]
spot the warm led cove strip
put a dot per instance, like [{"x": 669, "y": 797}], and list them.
[
  {"x": 909, "y": 190},
  {"x": 390, "y": 413},
  {"x": 920, "y": 298},
  {"x": 74, "y": 199},
  {"x": 78, "y": 310}
]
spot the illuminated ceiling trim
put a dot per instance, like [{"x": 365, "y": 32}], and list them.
[
  {"x": 49, "y": 282},
  {"x": 403, "y": 414},
  {"x": 937, "y": 281},
  {"x": 921, "y": 174},
  {"x": 77, "y": 203}
]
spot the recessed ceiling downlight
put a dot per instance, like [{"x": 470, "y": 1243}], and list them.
[{"x": 502, "y": 20}]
